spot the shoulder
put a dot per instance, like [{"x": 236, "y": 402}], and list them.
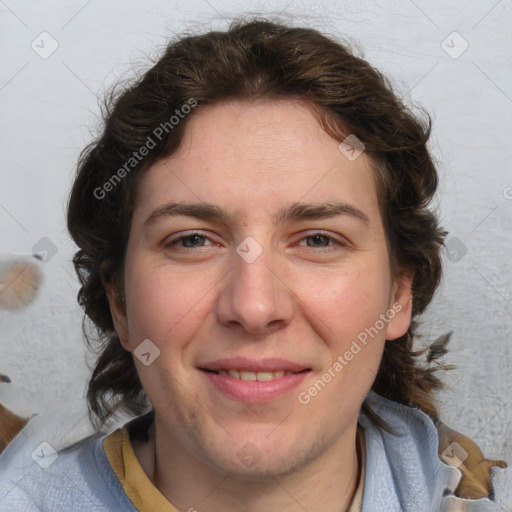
[
  {"x": 419, "y": 461},
  {"x": 36, "y": 477}
]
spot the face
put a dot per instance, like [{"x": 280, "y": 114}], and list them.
[{"x": 279, "y": 273}]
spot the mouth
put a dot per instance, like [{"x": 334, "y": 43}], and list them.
[
  {"x": 253, "y": 381},
  {"x": 254, "y": 376}
]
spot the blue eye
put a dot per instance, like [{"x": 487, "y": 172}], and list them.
[
  {"x": 190, "y": 241},
  {"x": 318, "y": 238},
  {"x": 197, "y": 240},
  {"x": 321, "y": 241}
]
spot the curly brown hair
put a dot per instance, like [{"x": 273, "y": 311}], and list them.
[{"x": 255, "y": 59}]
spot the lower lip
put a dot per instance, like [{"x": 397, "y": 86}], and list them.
[{"x": 254, "y": 391}]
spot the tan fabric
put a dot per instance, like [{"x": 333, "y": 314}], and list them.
[
  {"x": 147, "y": 498},
  {"x": 10, "y": 426},
  {"x": 458, "y": 450},
  {"x": 137, "y": 486}
]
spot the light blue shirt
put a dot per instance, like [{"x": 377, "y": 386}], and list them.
[{"x": 403, "y": 472}]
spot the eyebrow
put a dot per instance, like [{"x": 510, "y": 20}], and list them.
[{"x": 295, "y": 211}]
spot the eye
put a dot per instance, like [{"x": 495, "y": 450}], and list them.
[
  {"x": 197, "y": 240},
  {"x": 321, "y": 240},
  {"x": 190, "y": 241}
]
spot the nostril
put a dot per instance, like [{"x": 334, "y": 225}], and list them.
[{"x": 4, "y": 378}]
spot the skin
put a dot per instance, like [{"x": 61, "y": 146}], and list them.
[{"x": 304, "y": 299}]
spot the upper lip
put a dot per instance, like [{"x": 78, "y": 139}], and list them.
[{"x": 250, "y": 365}]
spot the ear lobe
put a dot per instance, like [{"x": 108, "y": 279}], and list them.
[
  {"x": 401, "y": 305},
  {"x": 118, "y": 312}
]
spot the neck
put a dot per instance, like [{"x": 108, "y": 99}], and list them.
[{"x": 328, "y": 483}]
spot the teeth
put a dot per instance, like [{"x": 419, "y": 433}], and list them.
[
  {"x": 248, "y": 375},
  {"x": 251, "y": 376}
]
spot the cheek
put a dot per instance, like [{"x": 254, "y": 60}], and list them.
[
  {"x": 166, "y": 307},
  {"x": 344, "y": 310},
  {"x": 345, "y": 314},
  {"x": 347, "y": 301},
  {"x": 162, "y": 301}
]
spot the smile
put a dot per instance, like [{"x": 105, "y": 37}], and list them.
[
  {"x": 254, "y": 387},
  {"x": 252, "y": 376}
]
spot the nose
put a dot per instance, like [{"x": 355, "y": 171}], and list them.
[{"x": 256, "y": 295}]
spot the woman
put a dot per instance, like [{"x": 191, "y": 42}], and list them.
[{"x": 255, "y": 246}]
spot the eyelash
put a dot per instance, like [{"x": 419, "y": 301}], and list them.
[{"x": 173, "y": 243}]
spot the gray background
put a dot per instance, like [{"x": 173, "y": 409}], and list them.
[{"x": 49, "y": 111}]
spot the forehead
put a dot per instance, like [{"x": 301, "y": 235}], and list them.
[{"x": 253, "y": 157}]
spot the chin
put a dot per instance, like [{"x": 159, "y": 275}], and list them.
[
  {"x": 268, "y": 467},
  {"x": 258, "y": 460}
]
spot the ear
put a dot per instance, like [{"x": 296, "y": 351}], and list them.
[
  {"x": 118, "y": 311},
  {"x": 401, "y": 305}
]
